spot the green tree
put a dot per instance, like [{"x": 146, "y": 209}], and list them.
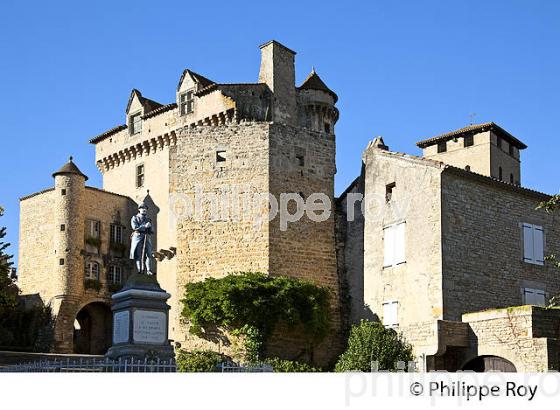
[
  {"x": 371, "y": 342},
  {"x": 8, "y": 289}
]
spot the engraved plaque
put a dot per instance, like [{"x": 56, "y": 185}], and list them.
[
  {"x": 150, "y": 327},
  {"x": 121, "y": 321}
]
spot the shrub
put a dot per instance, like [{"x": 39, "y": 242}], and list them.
[
  {"x": 372, "y": 342},
  {"x": 289, "y": 366},
  {"x": 200, "y": 361},
  {"x": 251, "y": 304}
]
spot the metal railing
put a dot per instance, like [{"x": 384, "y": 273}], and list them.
[
  {"x": 85, "y": 365},
  {"x": 236, "y": 368}
]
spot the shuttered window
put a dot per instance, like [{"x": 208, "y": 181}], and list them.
[
  {"x": 533, "y": 244},
  {"x": 394, "y": 244},
  {"x": 534, "y": 297},
  {"x": 390, "y": 314}
]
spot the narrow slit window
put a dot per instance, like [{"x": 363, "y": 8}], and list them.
[
  {"x": 389, "y": 191},
  {"x": 140, "y": 176},
  {"x": 327, "y": 128}
]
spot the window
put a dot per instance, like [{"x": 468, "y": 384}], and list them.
[
  {"x": 92, "y": 270},
  {"x": 93, "y": 228},
  {"x": 390, "y": 314},
  {"x": 300, "y": 156},
  {"x": 511, "y": 178},
  {"x": 534, "y": 297},
  {"x": 468, "y": 168},
  {"x": 114, "y": 275},
  {"x": 116, "y": 233},
  {"x": 136, "y": 123},
  {"x": 394, "y": 243},
  {"x": 327, "y": 128},
  {"x": 61, "y": 261},
  {"x": 389, "y": 191},
  {"x": 468, "y": 141},
  {"x": 533, "y": 244},
  {"x": 139, "y": 176},
  {"x": 63, "y": 191},
  {"x": 62, "y": 228},
  {"x": 221, "y": 156},
  {"x": 187, "y": 102},
  {"x": 499, "y": 142},
  {"x": 501, "y": 174},
  {"x": 442, "y": 147}
]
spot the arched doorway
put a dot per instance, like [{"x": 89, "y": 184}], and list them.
[
  {"x": 484, "y": 364},
  {"x": 92, "y": 329}
]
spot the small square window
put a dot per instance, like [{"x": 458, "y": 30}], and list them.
[
  {"x": 468, "y": 141},
  {"x": 61, "y": 261},
  {"x": 442, "y": 147},
  {"x": 63, "y": 191},
  {"x": 139, "y": 176},
  {"x": 135, "y": 123},
  {"x": 62, "y": 227},
  {"x": 389, "y": 191},
  {"x": 221, "y": 156}
]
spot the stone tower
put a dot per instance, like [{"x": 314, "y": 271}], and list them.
[
  {"x": 69, "y": 195},
  {"x": 486, "y": 149}
]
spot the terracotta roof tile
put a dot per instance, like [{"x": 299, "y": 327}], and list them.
[{"x": 473, "y": 129}]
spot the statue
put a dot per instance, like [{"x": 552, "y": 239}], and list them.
[{"x": 141, "y": 244}]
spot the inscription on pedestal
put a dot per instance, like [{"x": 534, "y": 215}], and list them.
[
  {"x": 149, "y": 327},
  {"x": 121, "y": 323}
]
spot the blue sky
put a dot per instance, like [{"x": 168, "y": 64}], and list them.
[{"x": 405, "y": 70}]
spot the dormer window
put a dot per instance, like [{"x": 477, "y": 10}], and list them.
[
  {"x": 187, "y": 102},
  {"x": 135, "y": 123}
]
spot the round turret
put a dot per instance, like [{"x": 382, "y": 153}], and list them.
[
  {"x": 317, "y": 102},
  {"x": 69, "y": 184}
]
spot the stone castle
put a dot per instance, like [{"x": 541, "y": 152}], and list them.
[{"x": 447, "y": 248}]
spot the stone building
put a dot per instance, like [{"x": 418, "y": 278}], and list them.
[
  {"x": 444, "y": 236},
  {"x": 216, "y": 141},
  {"x": 447, "y": 248}
]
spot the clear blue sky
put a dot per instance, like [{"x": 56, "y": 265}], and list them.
[{"x": 402, "y": 69}]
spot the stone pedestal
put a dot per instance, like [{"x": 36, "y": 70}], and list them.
[{"x": 141, "y": 320}]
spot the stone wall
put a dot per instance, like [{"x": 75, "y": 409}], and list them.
[
  {"x": 522, "y": 335},
  {"x": 483, "y": 248},
  {"x": 416, "y": 284}
]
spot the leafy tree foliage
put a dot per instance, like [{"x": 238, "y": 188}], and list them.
[
  {"x": 8, "y": 289},
  {"x": 253, "y": 303},
  {"x": 372, "y": 342},
  {"x": 289, "y": 366}
]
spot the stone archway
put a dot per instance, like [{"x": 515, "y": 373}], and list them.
[
  {"x": 92, "y": 329},
  {"x": 482, "y": 364}
]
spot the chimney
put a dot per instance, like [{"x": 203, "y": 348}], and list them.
[{"x": 278, "y": 72}]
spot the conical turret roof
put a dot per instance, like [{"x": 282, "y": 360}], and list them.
[
  {"x": 70, "y": 168},
  {"x": 314, "y": 82}
]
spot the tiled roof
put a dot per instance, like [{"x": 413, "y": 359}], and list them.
[
  {"x": 203, "y": 81},
  {"x": 44, "y": 191},
  {"x": 469, "y": 174},
  {"x": 70, "y": 168},
  {"x": 473, "y": 129},
  {"x": 91, "y": 188},
  {"x": 314, "y": 82},
  {"x": 160, "y": 110},
  {"x": 107, "y": 134}
]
